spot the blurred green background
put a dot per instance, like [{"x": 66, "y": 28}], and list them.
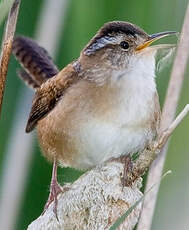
[{"x": 83, "y": 19}]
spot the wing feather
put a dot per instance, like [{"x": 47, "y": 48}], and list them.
[{"x": 49, "y": 94}]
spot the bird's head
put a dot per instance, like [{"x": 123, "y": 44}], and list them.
[{"x": 117, "y": 45}]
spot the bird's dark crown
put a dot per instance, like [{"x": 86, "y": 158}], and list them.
[
  {"x": 120, "y": 27},
  {"x": 109, "y": 31}
]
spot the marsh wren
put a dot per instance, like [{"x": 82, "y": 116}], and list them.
[{"x": 103, "y": 105}]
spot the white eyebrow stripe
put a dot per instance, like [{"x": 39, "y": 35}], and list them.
[{"x": 99, "y": 44}]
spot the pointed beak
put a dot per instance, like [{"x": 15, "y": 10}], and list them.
[{"x": 154, "y": 37}]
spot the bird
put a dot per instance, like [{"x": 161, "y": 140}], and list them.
[{"x": 102, "y": 105}]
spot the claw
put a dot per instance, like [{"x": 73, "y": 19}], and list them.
[
  {"x": 128, "y": 166},
  {"x": 55, "y": 189}
]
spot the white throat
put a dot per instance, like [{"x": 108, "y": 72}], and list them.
[
  {"x": 139, "y": 71},
  {"x": 137, "y": 87}
]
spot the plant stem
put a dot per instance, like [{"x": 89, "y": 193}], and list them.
[{"x": 7, "y": 46}]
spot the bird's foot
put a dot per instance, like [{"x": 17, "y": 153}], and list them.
[
  {"x": 127, "y": 173},
  {"x": 55, "y": 189}
]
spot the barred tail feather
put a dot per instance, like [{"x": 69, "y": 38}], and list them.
[
  {"x": 38, "y": 65},
  {"x": 27, "y": 79}
]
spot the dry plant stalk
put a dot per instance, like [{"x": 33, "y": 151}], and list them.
[
  {"x": 94, "y": 202},
  {"x": 7, "y": 46},
  {"x": 169, "y": 109}
]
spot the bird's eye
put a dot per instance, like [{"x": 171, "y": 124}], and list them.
[{"x": 124, "y": 45}]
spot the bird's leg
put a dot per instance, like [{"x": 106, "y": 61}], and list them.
[
  {"x": 127, "y": 169},
  {"x": 55, "y": 189}
]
